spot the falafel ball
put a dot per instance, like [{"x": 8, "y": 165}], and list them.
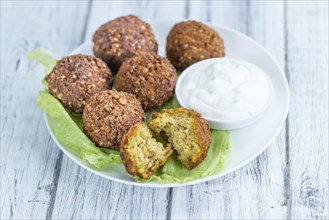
[
  {"x": 141, "y": 153},
  {"x": 190, "y": 41},
  {"x": 121, "y": 38},
  {"x": 150, "y": 77},
  {"x": 108, "y": 115},
  {"x": 76, "y": 78},
  {"x": 186, "y": 130}
]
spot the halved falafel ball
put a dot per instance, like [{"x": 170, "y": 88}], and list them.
[
  {"x": 76, "y": 78},
  {"x": 149, "y": 77},
  {"x": 121, "y": 38},
  {"x": 186, "y": 130},
  {"x": 141, "y": 154},
  {"x": 190, "y": 41},
  {"x": 109, "y": 115}
]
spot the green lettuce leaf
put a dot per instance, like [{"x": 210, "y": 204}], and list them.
[
  {"x": 70, "y": 135},
  {"x": 68, "y": 130},
  {"x": 45, "y": 58}
]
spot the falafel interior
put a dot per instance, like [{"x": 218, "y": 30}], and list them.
[
  {"x": 141, "y": 154},
  {"x": 186, "y": 130}
]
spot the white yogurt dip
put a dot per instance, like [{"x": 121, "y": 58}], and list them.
[{"x": 228, "y": 89}]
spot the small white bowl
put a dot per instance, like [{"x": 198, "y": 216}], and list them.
[{"x": 221, "y": 124}]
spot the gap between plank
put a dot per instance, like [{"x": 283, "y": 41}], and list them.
[
  {"x": 58, "y": 167},
  {"x": 208, "y": 10},
  {"x": 287, "y": 180},
  {"x": 59, "y": 161},
  {"x": 187, "y": 9},
  {"x": 247, "y": 31},
  {"x": 84, "y": 32},
  {"x": 169, "y": 206}
]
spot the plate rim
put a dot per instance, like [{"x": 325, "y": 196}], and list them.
[{"x": 206, "y": 178}]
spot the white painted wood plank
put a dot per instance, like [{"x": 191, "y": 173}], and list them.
[
  {"x": 28, "y": 155},
  {"x": 257, "y": 190},
  {"x": 307, "y": 44},
  {"x": 198, "y": 10},
  {"x": 29, "y": 158},
  {"x": 81, "y": 194}
]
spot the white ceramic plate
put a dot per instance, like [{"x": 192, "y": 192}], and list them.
[{"x": 247, "y": 143}]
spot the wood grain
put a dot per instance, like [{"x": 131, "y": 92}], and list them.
[
  {"x": 257, "y": 190},
  {"x": 307, "y": 68},
  {"x": 30, "y": 160},
  {"x": 289, "y": 180}
]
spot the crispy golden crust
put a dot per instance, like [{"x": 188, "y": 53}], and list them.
[
  {"x": 203, "y": 135},
  {"x": 121, "y": 38},
  {"x": 200, "y": 128},
  {"x": 129, "y": 160},
  {"x": 149, "y": 77},
  {"x": 76, "y": 78},
  {"x": 109, "y": 115},
  {"x": 126, "y": 158},
  {"x": 191, "y": 41}
]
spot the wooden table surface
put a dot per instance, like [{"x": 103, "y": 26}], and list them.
[{"x": 288, "y": 181}]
